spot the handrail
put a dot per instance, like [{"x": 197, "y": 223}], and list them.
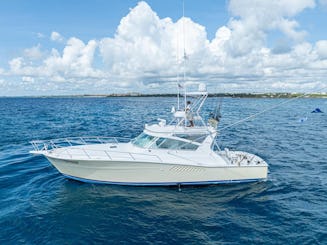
[
  {"x": 92, "y": 154},
  {"x": 46, "y": 145},
  {"x": 69, "y": 145}
]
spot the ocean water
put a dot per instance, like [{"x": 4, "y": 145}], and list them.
[{"x": 39, "y": 206}]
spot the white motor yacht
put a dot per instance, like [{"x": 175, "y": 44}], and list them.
[{"x": 182, "y": 152}]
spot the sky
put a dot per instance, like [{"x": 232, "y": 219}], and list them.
[{"x": 68, "y": 47}]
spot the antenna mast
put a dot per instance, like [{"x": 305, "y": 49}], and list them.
[
  {"x": 184, "y": 56},
  {"x": 184, "y": 61}
]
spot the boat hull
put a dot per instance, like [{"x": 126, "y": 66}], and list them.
[{"x": 155, "y": 174}]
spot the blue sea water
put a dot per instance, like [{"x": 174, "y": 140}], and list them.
[{"x": 39, "y": 206}]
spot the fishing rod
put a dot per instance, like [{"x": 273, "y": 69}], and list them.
[{"x": 261, "y": 112}]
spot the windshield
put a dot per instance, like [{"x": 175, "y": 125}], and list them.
[
  {"x": 142, "y": 140},
  {"x": 165, "y": 143},
  {"x": 199, "y": 138},
  {"x": 145, "y": 140}
]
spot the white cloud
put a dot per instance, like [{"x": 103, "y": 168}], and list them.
[
  {"x": 27, "y": 79},
  {"x": 321, "y": 48},
  {"x": 143, "y": 43},
  {"x": 55, "y": 36},
  {"x": 148, "y": 46},
  {"x": 147, "y": 51},
  {"x": 34, "y": 53},
  {"x": 75, "y": 63},
  {"x": 40, "y": 35},
  {"x": 16, "y": 64},
  {"x": 254, "y": 18},
  {"x": 217, "y": 44},
  {"x": 269, "y": 10},
  {"x": 76, "y": 60}
]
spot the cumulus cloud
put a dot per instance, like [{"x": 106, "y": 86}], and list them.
[
  {"x": 72, "y": 66},
  {"x": 281, "y": 46},
  {"x": 145, "y": 44},
  {"x": 34, "y": 53},
  {"x": 148, "y": 52},
  {"x": 252, "y": 19},
  {"x": 16, "y": 64},
  {"x": 321, "y": 48},
  {"x": 27, "y": 79},
  {"x": 76, "y": 59},
  {"x": 55, "y": 36}
]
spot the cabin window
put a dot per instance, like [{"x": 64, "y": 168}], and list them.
[
  {"x": 199, "y": 138},
  {"x": 164, "y": 143},
  {"x": 142, "y": 140}
]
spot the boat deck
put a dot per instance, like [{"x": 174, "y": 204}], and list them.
[{"x": 101, "y": 150}]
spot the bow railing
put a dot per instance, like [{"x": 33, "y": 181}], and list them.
[
  {"x": 80, "y": 148},
  {"x": 47, "y": 145}
]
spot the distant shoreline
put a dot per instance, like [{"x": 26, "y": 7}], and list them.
[{"x": 231, "y": 95}]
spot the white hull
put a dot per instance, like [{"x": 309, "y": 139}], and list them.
[
  {"x": 150, "y": 173},
  {"x": 173, "y": 154}
]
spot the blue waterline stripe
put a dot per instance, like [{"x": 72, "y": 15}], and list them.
[{"x": 163, "y": 183}]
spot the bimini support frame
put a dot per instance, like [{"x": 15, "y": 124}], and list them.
[{"x": 199, "y": 98}]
